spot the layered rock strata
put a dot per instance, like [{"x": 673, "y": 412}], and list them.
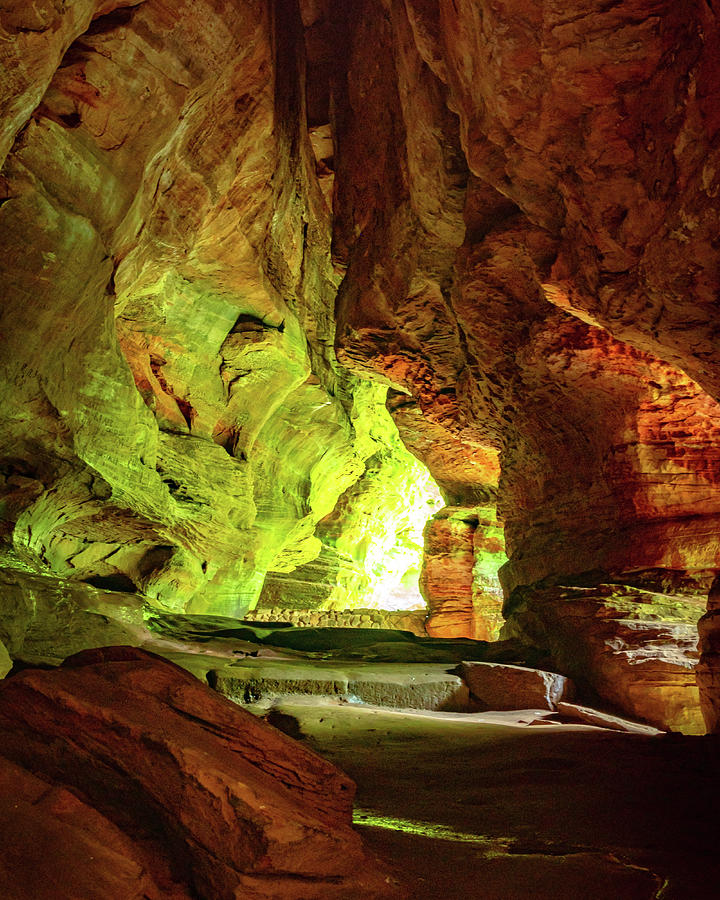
[
  {"x": 174, "y": 421},
  {"x": 639, "y": 487},
  {"x": 523, "y": 232},
  {"x": 199, "y": 797},
  {"x": 464, "y": 548},
  {"x": 562, "y": 312},
  {"x": 635, "y": 649}
]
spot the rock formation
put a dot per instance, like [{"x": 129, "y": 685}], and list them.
[
  {"x": 463, "y": 552},
  {"x": 547, "y": 314},
  {"x": 635, "y": 649},
  {"x": 171, "y": 790},
  {"x": 174, "y": 420},
  {"x": 225, "y": 233}
]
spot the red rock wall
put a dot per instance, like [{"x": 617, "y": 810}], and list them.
[
  {"x": 607, "y": 451},
  {"x": 578, "y": 307},
  {"x": 463, "y": 551}
]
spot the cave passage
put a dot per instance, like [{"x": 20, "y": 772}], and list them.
[
  {"x": 370, "y": 548},
  {"x": 358, "y": 377}
]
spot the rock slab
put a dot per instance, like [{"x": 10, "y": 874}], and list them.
[
  {"x": 498, "y": 686},
  {"x": 397, "y": 685},
  {"x": 217, "y": 804},
  {"x": 636, "y": 649},
  {"x": 604, "y": 720}
]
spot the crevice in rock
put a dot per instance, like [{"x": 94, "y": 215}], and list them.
[
  {"x": 247, "y": 323},
  {"x": 115, "y": 582},
  {"x": 118, "y": 18}
]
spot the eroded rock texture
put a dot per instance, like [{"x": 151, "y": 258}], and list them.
[
  {"x": 636, "y": 649},
  {"x": 516, "y": 205},
  {"x": 463, "y": 552},
  {"x": 171, "y": 790},
  {"x": 174, "y": 420},
  {"x": 547, "y": 312}
]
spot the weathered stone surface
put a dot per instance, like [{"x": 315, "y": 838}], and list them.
[
  {"x": 498, "y": 686},
  {"x": 54, "y": 841},
  {"x": 464, "y": 549},
  {"x": 404, "y": 686},
  {"x": 635, "y": 648},
  {"x": 602, "y": 720},
  {"x": 467, "y": 474},
  {"x": 173, "y": 414},
  {"x": 44, "y": 619},
  {"x": 227, "y": 804}
]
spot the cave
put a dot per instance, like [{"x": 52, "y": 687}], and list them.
[{"x": 359, "y": 449}]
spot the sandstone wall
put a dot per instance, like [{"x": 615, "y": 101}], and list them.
[
  {"x": 506, "y": 212},
  {"x": 173, "y": 419},
  {"x": 562, "y": 312}
]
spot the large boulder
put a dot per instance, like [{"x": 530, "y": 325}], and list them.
[
  {"x": 58, "y": 839},
  {"x": 500, "y": 686},
  {"x": 634, "y": 649},
  {"x": 215, "y": 801}
]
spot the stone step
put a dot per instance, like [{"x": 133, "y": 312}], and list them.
[{"x": 398, "y": 685}]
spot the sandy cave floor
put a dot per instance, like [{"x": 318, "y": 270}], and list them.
[{"x": 490, "y": 806}]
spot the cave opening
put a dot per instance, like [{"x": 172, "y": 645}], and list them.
[
  {"x": 370, "y": 547},
  {"x": 401, "y": 550}
]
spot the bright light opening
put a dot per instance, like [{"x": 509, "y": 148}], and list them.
[{"x": 383, "y": 518}]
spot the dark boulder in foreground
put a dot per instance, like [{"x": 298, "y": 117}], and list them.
[{"x": 181, "y": 793}]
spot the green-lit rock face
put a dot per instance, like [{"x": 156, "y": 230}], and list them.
[
  {"x": 377, "y": 526},
  {"x": 173, "y": 418},
  {"x": 367, "y": 551}
]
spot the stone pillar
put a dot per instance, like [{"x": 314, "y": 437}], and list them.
[{"x": 463, "y": 551}]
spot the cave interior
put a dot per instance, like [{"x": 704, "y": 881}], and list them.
[{"x": 359, "y": 449}]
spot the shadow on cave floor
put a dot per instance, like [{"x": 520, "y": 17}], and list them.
[
  {"x": 515, "y": 811},
  {"x": 499, "y": 806},
  {"x": 506, "y": 805}
]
